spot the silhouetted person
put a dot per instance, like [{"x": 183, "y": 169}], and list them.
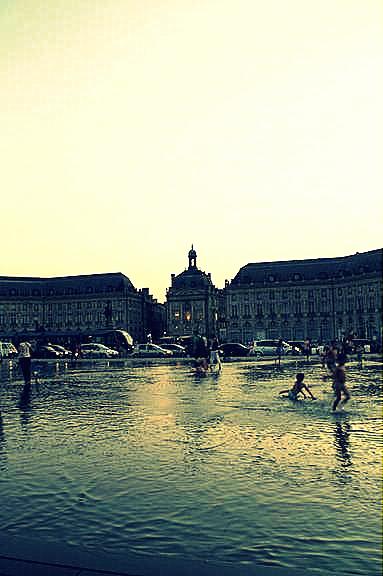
[
  {"x": 339, "y": 384},
  {"x": 25, "y": 360},
  {"x": 298, "y": 388},
  {"x": 214, "y": 358},
  {"x": 279, "y": 351},
  {"x": 307, "y": 349},
  {"x": 331, "y": 356}
]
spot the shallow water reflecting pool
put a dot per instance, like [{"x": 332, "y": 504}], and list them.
[{"x": 154, "y": 460}]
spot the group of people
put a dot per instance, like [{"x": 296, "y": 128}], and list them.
[
  {"x": 335, "y": 362},
  {"x": 207, "y": 358}
]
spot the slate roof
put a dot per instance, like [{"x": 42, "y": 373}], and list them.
[
  {"x": 113, "y": 281},
  {"x": 191, "y": 278},
  {"x": 319, "y": 269}
]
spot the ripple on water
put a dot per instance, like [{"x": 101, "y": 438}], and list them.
[{"x": 148, "y": 459}]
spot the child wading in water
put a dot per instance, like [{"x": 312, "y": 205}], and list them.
[
  {"x": 339, "y": 384},
  {"x": 298, "y": 388}
]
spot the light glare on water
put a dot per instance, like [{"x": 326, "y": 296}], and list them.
[{"x": 153, "y": 460}]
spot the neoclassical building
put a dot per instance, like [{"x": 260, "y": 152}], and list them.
[
  {"x": 76, "y": 305},
  {"x": 192, "y": 302},
  {"x": 323, "y": 299}
]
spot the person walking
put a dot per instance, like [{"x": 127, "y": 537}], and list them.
[
  {"x": 331, "y": 357},
  {"x": 25, "y": 360},
  {"x": 279, "y": 351},
  {"x": 214, "y": 359},
  {"x": 307, "y": 349},
  {"x": 339, "y": 384}
]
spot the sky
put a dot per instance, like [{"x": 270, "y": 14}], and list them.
[{"x": 132, "y": 129}]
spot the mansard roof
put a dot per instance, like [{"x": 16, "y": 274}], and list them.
[
  {"x": 320, "y": 269},
  {"x": 108, "y": 282},
  {"x": 191, "y": 278}
]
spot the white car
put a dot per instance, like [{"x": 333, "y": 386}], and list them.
[
  {"x": 95, "y": 350},
  {"x": 150, "y": 351},
  {"x": 269, "y": 348},
  {"x": 7, "y": 350}
]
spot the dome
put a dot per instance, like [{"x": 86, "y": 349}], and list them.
[{"x": 191, "y": 279}]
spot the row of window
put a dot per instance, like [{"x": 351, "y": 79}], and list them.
[
  {"x": 59, "y": 307},
  {"x": 299, "y": 293},
  {"x": 37, "y": 292},
  {"x": 302, "y": 306}
]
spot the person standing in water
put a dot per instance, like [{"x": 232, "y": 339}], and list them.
[
  {"x": 298, "y": 388},
  {"x": 279, "y": 351},
  {"x": 25, "y": 361},
  {"x": 331, "y": 357},
  {"x": 339, "y": 384},
  {"x": 214, "y": 359}
]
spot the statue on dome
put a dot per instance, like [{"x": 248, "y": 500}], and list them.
[{"x": 192, "y": 258}]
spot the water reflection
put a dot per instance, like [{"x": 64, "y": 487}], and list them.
[
  {"x": 25, "y": 405},
  {"x": 342, "y": 443},
  {"x": 179, "y": 465},
  {"x": 3, "y": 457},
  {"x": 343, "y": 472}
]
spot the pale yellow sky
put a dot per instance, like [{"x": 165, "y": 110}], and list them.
[{"x": 133, "y": 128}]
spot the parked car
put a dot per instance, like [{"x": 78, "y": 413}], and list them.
[
  {"x": 150, "y": 351},
  {"x": 63, "y": 351},
  {"x": 46, "y": 351},
  {"x": 177, "y": 349},
  {"x": 96, "y": 350},
  {"x": 7, "y": 350},
  {"x": 233, "y": 349},
  {"x": 269, "y": 348},
  {"x": 298, "y": 346},
  {"x": 361, "y": 343}
]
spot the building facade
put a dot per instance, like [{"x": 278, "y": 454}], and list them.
[
  {"x": 192, "y": 302},
  {"x": 76, "y": 305},
  {"x": 322, "y": 299}
]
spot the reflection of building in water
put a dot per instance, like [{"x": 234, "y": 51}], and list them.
[{"x": 2, "y": 445}]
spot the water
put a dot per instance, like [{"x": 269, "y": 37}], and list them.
[{"x": 153, "y": 460}]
